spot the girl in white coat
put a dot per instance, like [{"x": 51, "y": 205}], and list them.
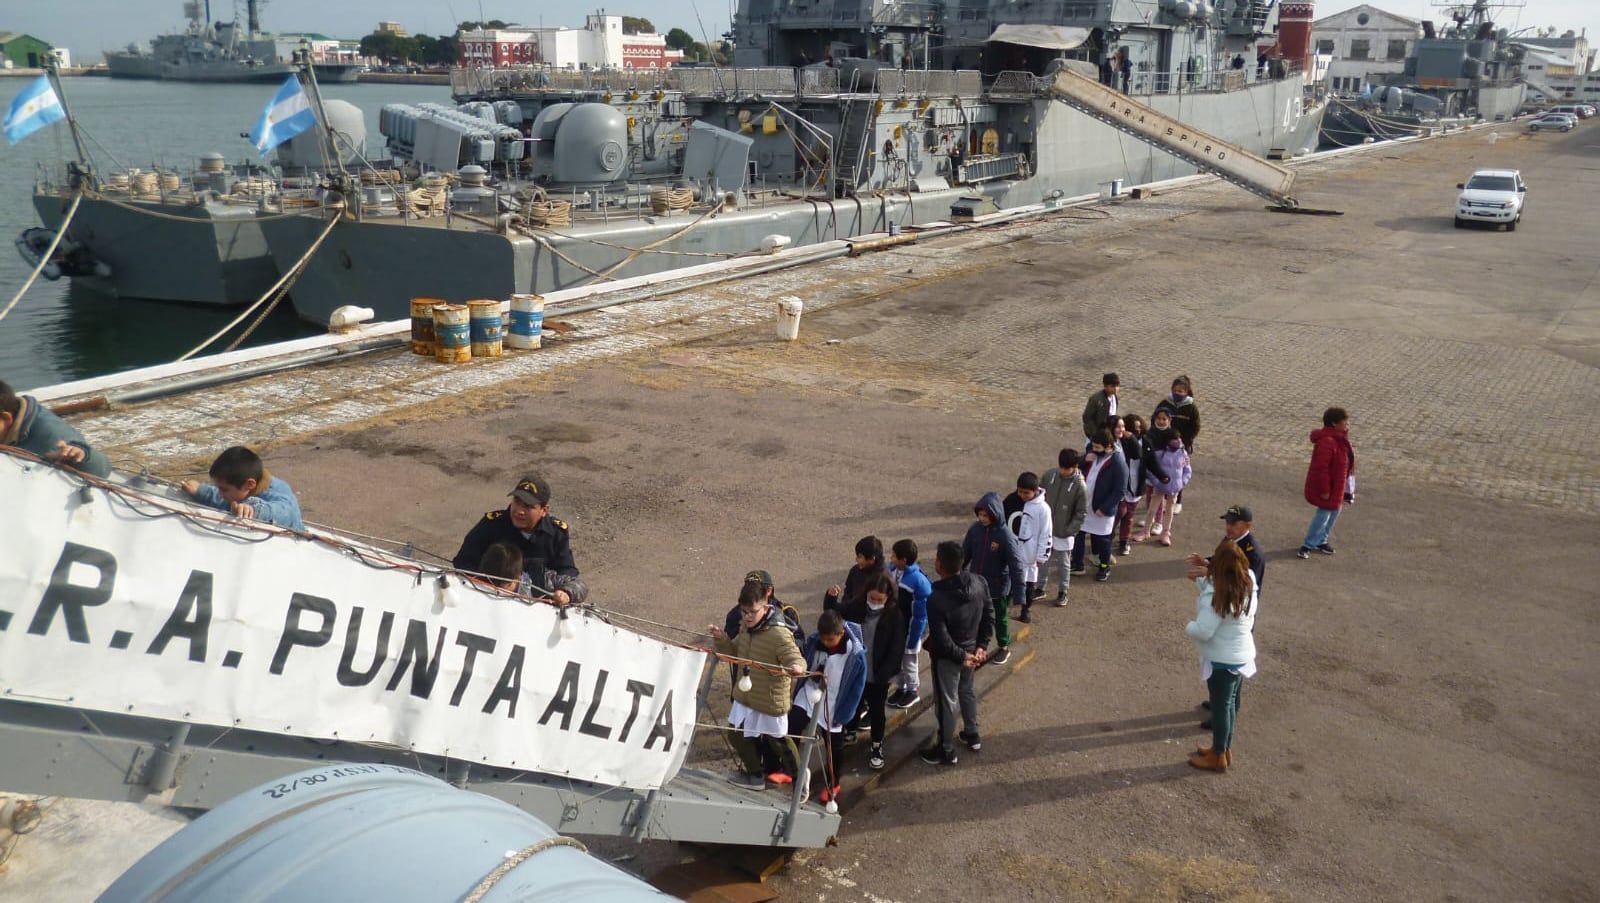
[{"x": 1224, "y": 621}]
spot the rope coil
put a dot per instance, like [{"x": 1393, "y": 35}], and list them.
[
  {"x": 540, "y": 212},
  {"x": 671, "y": 200}
]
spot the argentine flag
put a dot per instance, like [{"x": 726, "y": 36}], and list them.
[
  {"x": 36, "y": 107},
  {"x": 287, "y": 115}
]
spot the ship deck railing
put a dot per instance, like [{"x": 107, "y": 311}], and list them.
[
  {"x": 714, "y": 83},
  {"x": 1019, "y": 85}
]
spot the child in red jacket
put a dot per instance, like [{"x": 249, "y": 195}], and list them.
[{"x": 1332, "y": 464}]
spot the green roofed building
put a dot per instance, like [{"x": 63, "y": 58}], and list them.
[{"x": 22, "y": 51}]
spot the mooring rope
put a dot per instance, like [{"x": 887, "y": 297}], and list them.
[
  {"x": 278, "y": 290},
  {"x": 44, "y": 259}
]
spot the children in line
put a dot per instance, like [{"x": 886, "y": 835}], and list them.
[
  {"x": 1174, "y": 463},
  {"x": 1066, "y": 494},
  {"x": 1028, "y": 519},
  {"x": 763, "y": 691},
  {"x": 836, "y": 651},
  {"x": 991, "y": 551},
  {"x": 914, "y": 589}
]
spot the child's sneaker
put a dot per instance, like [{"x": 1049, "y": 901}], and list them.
[
  {"x": 1155, "y": 529},
  {"x": 973, "y": 741},
  {"x": 875, "y": 758},
  {"x": 1303, "y": 553}
]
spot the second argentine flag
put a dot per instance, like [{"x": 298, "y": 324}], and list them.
[{"x": 287, "y": 115}]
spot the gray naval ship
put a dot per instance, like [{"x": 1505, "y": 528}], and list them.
[
  {"x": 837, "y": 120},
  {"x": 1467, "y": 71},
  {"x": 193, "y": 236},
  {"x": 214, "y": 51},
  {"x": 542, "y": 179}
]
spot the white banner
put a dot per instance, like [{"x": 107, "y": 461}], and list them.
[{"x": 118, "y": 605}]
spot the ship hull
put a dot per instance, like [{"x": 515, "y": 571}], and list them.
[
  {"x": 210, "y": 254},
  {"x": 149, "y": 68},
  {"x": 383, "y": 263}
]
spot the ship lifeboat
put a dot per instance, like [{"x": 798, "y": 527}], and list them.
[{"x": 70, "y": 258}]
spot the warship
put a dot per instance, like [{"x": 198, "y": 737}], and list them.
[
  {"x": 1467, "y": 72},
  {"x": 215, "y": 51},
  {"x": 542, "y": 179},
  {"x": 189, "y": 236},
  {"x": 915, "y": 114}
]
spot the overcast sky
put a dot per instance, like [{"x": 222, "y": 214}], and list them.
[{"x": 90, "y": 26}]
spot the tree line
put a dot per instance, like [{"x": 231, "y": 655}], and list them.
[{"x": 444, "y": 50}]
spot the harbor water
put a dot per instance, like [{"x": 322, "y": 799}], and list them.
[{"x": 59, "y": 332}]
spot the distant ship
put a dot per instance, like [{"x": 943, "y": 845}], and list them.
[
  {"x": 1467, "y": 73},
  {"x": 212, "y": 51}
]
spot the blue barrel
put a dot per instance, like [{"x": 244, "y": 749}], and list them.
[
  {"x": 486, "y": 328},
  {"x": 452, "y": 332},
  {"x": 527, "y": 321},
  {"x": 357, "y": 832}
]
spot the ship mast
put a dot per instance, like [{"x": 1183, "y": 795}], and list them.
[
  {"x": 53, "y": 72},
  {"x": 308, "y": 78}
]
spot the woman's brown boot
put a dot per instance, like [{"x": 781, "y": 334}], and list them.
[
  {"x": 1209, "y": 761},
  {"x": 1227, "y": 757}
]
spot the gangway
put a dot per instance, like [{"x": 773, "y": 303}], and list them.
[
  {"x": 1207, "y": 153},
  {"x": 153, "y": 650}
]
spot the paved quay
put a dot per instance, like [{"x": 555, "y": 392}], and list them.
[{"x": 1423, "y": 725}]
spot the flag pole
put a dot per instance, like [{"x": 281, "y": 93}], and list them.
[{"x": 53, "y": 72}]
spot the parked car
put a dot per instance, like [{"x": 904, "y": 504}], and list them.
[
  {"x": 1564, "y": 122},
  {"x": 1492, "y": 196},
  {"x": 1587, "y": 109},
  {"x": 1576, "y": 111}
]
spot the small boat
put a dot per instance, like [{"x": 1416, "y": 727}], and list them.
[{"x": 68, "y": 259}]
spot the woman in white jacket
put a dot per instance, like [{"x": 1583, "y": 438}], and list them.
[{"x": 1225, "y": 616}]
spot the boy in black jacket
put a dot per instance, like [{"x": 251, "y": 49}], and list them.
[{"x": 960, "y": 625}]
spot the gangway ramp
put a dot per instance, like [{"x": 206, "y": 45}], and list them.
[
  {"x": 60, "y": 751},
  {"x": 1207, "y": 153},
  {"x": 153, "y": 649}
]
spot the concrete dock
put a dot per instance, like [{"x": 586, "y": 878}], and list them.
[{"x": 1423, "y": 723}]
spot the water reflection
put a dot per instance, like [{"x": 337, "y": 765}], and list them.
[{"x": 94, "y": 334}]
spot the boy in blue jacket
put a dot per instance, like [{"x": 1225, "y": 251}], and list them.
[
  {"x": 1106, "y": 476},
  {"x": 914, "y": 589},
  {"x": 836, "y": 651},
  {"x": 990, "y": 550},
  {"x": 32, "y": 427},
  {"x": 241, "y": 486}
]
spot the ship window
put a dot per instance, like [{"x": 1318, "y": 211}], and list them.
[
  {"x": 1363, "y": 19},
  {"x": 1397, "y": 49},
  {"x": 1325, "y": 46},
  {"x": 1360, "y": 49}
]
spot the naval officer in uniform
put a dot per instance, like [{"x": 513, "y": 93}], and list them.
[{"x": 546, "y": 547}]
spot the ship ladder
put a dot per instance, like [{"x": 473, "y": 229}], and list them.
[{"x": 1207, "y": 153}]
